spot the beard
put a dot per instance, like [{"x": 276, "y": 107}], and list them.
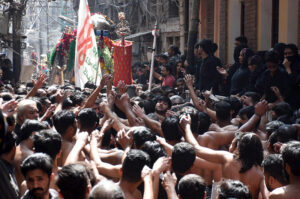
[{"x": 160, "y": 112}]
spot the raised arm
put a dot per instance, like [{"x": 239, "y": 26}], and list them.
[{"x": 36, "y": 85}]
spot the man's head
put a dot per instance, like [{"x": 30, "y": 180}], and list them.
[
  {"x": 87, "y": 120},
  {"x": 191, "y": 186},
  {"x": 272, "y": 60},
  {"x": 29, "y": 127},
  {"x": 245, "y": 114},
  {"x": 291, "y": 52},
  {"x": 223, "y": 111},
  {"x": 176, "y": 100},
  {"x": 250, "y": 151},
  {"x": 73, "y": 181},
  {"x": 170, "y": 129},
  {"x": 272, "y": 126},
  {"x": 64, "y": 122},
  {"x": 141, "y": 135},
  {"x": 291, "y": 158},
  {"x": 106, "y": 189},
  {"x": 183, "y": 157},
  {"x": 133, "y": 165},
  {"x": 166, "y": 70},
  {"x": 204, "y": 122},
  {"x": 37, "y": 170},
  {"x": 281, "y": 109},
  {"x": 26, "y": 109},
  {"x": 173, "y": 50},
  {"x": 205, "y": 47},
  {"x": 47, "y": 141},
  {"x": 274, "y": 172},
  {"x": 162, "y": 105},
  {"x": 241, "y": 40},
  {"x": 233, "y": 189},
  {"x": 154, "y": 150},
  {"x": 8, "y": 146},
  {"x": 283, "y": 134}
]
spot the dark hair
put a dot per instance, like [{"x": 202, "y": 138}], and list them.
[
  {"x": 30, "y": 126},
  {"x": 154, "y": 150},
  {"x": 77, "y": 99},
  {"x": 204, "y": 122},
  {"x": 233, "y": 189},
  {"x": 273, "y": 166},
  {"x": 284, "y": 112},
  {"x": 235, "y": 105},
  {"x": 165, "y": 99},
  {"x": 170, "y": 128},
  {"x": 73, "y": 180},
  {"x": 37, "y": 161},
  {"x": 89, "y": 85},
  {"x": 191, "y": 186},
  {"x": 291, "y": 156},
  {"x": 141, "y": 135},
  {"x": 255, "y": 60},
  {"x": 133, "y": 164},
  {"x": 223, "y": 111},
  {"x": 293, "y": 47},
  {"x": 148, "y": 106},
  {"x": 183, "y": 157},
  {"x": 273, "y": 126},
  {"x": 8, "y": 142},
  {"x": 250, "y": 151},
  {"x": 175, "y": 49},
  {"x": 286, "y": 133},
  {"x": 272, "y": 57},
  {"x": 47, "y": 141},
  {"x": 237, "y": 51},
  {"x": 248, "y": 111},
  {"x": 242, "y": 39},
  {"x": 88, "y": 118},
  {"x": 62, "y": 120},
  {"x": 247, "y": 53},
  {"x": 207, "y": 46},
  {"x": 255, "y": 97},
  {"x": 67, "y": 103},
  {"x": 168, "y": 68},
  {"x": 279, "y": 48}
]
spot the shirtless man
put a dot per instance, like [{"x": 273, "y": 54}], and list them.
[
  {"x": 25, "y": 148},
  {"x": 243, "y": 164},
  {"x": 65, "y": 124},
  {"x": 291, "y": 160}
]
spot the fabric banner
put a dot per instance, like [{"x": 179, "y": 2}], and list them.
[{"x": 86, "y": 58}]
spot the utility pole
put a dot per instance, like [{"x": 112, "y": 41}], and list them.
[{"x": 17, "y": 17}]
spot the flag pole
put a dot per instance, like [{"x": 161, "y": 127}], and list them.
[{"x": 153, "y": 54}]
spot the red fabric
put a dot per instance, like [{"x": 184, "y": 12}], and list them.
[
  {"x": 122, "y": 62},
  {"x": 169, "y": 81}
]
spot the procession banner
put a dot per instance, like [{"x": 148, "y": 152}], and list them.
[{"x": 86, "y": 57}]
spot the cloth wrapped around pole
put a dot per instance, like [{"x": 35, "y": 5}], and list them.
[{"x": 122, "y": 62}]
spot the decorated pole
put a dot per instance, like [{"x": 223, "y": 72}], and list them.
[{"x": 154, "y": 32}]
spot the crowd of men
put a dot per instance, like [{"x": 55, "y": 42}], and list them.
[{"x": 204, "y": 131}]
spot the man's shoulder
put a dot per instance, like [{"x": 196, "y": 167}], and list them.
[{"x": 278, "y": 193}]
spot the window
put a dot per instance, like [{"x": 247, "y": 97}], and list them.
[{"x": 275, "y": 21}]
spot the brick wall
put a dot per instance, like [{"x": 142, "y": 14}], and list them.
[{"x": 251, "y": 23}]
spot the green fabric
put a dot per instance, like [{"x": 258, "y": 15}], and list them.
[
  {"x": 52, "y": 56},
  {"x": 71, "y": 55}
]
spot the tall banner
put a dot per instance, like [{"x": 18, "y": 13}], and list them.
[{"x": 86, "y": 57}]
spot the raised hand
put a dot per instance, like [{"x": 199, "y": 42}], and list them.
[
  {"x": 124, "y": 138},
  {"x": 189, "y": 81},
  {"x": 169, "y": 180},
  {"x": 261, "y": 108},
  {"x": 40, "y": 81},
  {"x": 185, "y": 120},
  {"x": 138, "y": 111},
  {"x": 9, "y": 108},
  {"x": 222, "y": 71},
  {"x": 201, "y": 105},
  {"x": 161, "y": 164},
  {"x": 122, "y": 87}
]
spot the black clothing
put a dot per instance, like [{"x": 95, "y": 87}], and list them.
[
  {"x": 255, "y": 78},
  {"x": 8, "y": 183},
  {"x": 239, "y": 81}
]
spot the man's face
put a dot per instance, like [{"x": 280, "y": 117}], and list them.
[
  {"x": 272, "y": 66},
  {"x": 1, "y": 73},
  {"x": 164, "y": 71},
  {"x": 288, "y": 52},
  {"x": 161, "y": 106},
  {"x": 37, "y": 183},
  {"x": 180, "y": 86},
  {"x": 31, "y": 112}
]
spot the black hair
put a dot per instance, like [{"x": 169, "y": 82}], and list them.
[
  {"x": 223, "y": 111},
  {"x": 247, "y": 53},
  {"x": 237, "y": 51},
  {"x": 165, "y": 99},
  {"x": 88, "y": 118},
  {"x": 168, "y": 68},
  {"x": 154, "y": 150},
  {"x": 183, "y": 157},
  {"x": 37, "y": 161},
  {"x": 73, "y": 181},
  {"x": 62, "y": 120},
  {"x": 291, "y": 156},
  {"x": 133, "y": 164},
  {"x": 293, "y": 47},
  {"x": 286, "y": 133},
  {"x": 235, "y": 105},
  {"x": 273, "y": 166},
  {"x": 242, "y": 39},
  {"x": 47, "y": 141},
  {"x": 77, "y": 99},
  {"x": 233, "y": 189},
  {"x": 207, "y": 46},
  {"x": 255, "y": 97},
  {"x": 279, "y": 48},
  {"x": 89, "y": 85},
  {"x": 255, "y": 60},
  {"x": 191, "y": 186},
  {"x": 8, "y": 142},
  {"x": 106, "y": 189},
  {"x": 250, "y": 151},
  {"x": 272, "y": 57},
  {"x": 67, "y": 103},
  {"x": 30, "y": 126},
  {"x": 170, "y": 128},
  {"x": 204, "y": 122},
  {"x": 273, "y": 126},
  {"x": 175, "y": 49},
  {"x": 248, "y": 111},
  {"x": 141, "y": 135}
]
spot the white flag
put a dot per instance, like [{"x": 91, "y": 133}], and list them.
[{"x": 86, "y": 58}]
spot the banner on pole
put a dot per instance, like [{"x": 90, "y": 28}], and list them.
[{"x": 86, "y": 57}]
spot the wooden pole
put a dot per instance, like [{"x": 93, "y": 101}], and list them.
[{"x": 152, "y": 59}]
